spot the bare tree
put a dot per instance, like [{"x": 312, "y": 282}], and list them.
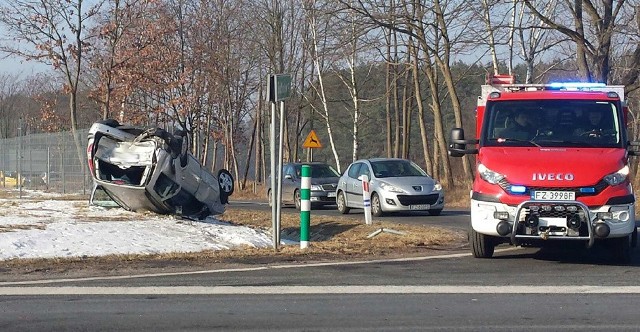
[
  {"x": 52, "y": 32},
  {"x": 593, "y": 33},
  {"x": 318, "y": 25},
  {"x": 10, "y": 87}
]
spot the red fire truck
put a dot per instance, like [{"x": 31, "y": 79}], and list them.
[{"x": 552, "y": 165}]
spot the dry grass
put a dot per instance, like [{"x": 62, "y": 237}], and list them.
[
  {"x": 331, "y": 238},
  {"x": 348, "y": 235}
]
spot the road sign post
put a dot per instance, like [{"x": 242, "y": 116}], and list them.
[
  {"x": 279, "y": 88},
  {"x": 305, "y": 206}
]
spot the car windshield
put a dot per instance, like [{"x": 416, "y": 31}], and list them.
[
  {"x": 396, "y": 168},
  {"x": 319, "y": 171},
  {"x": 552, "y": 123}
]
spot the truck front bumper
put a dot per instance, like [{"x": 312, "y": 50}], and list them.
[{"x": 552, "y": 220}]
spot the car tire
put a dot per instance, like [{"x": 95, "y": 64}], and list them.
[
  {"x": 482, "y": 245},
  {"x": 435, "y": 212},
  {"x": 341, "y": 203},
  {"x": 110, "y": 122},
  {"x": 184, "y": 151},
  {"x": 270, "y": 198},
  {"x": 622, "y": 249},
  {"x": 225, "y": 181},
  {"x": 376, "y": 206},
  {"x": 297, "y": 200}
]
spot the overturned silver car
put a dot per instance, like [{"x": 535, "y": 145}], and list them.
[{"x": 150, "y": 169}]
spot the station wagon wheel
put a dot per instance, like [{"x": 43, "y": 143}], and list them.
[
  {"x": 296, "y": 199},
  {"x": 435, "y": 212},
  {"x": 341, "y": 202},
  {"x": 376, "y": 206},
  {"x": 225, "y": 181}
]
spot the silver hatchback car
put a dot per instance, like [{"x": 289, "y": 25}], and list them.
[
  {"x": 395, "y": 185},
  {"x": 150, "y": 169}
]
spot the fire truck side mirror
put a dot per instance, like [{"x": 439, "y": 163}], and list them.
[
  {"x": 458, "y": 146},
  {"x": 633, "y": 148}
]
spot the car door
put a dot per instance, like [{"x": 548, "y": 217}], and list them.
[
  {"x": 288, "y": 183},
  {"x": 354, "y": 185}
]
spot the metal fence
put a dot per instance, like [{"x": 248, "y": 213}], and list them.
[{"x": 45, "y": 161}]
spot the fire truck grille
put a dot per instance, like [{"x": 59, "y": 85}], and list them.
[{"x": 580, "y": 191}]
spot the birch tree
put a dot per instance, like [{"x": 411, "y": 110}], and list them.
[{"x": 318, "y": 25}]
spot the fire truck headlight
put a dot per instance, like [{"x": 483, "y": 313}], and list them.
[
  {"x": 617, "y": 177},
  {"x": 489, "y": 175}
]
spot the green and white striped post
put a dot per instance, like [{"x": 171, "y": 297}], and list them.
[{"x": 305, "y": 206}]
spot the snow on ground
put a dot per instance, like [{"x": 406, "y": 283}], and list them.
[{"x": 57, "y": 228}]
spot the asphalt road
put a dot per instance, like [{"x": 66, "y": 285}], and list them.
[
  {"x": 526, "y": 289},
  {"x": 450, "y": 217},
  {"x": 521, "y": 289}
]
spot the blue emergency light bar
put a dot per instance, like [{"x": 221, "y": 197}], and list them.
[{"x": 576, "y": 85}]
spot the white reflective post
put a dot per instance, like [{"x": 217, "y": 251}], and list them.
[{"x": 366, "y": 199}]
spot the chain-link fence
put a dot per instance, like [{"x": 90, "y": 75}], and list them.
[{"x": 45, "y": 161}]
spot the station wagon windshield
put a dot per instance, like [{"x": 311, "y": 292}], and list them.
[{"x": 552, "y": 123}]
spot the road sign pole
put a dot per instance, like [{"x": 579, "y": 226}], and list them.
[
  {"x": 281, "y": 143},
  {"x": 279, "y": 90},
  {"x": 366, "y": 199},
  {"x": 274, "y": 196},
  {"x": 305, "y": 206}
]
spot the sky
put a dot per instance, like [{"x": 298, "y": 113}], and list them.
[{"x": 48, "y": 228}]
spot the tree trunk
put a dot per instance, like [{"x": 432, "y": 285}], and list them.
[{"x": 420, "y": 104}]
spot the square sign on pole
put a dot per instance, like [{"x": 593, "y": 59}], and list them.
[{"x": 279, "y": 87}]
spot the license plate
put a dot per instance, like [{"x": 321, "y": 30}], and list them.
[
  {"x": 546, "y": 195},
  {"x": 331, "y": 194},
  {"x": 420, "y": 207}
]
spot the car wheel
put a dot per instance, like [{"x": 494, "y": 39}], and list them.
[
  {"x": 184, "y": 151},
  {"x": 341, "y": 202},
  {"x": 270, "y": 198},
  {"x": 110, "y": 122},
  {"x": 225, "y": 181},
  {"x": 482, "y": 245},
  {"x": 297, "y": 200},
  {"x": 376, "y": 206},
  {"x": 622, "y": 249},
  {"x": 435, "y": 212}
]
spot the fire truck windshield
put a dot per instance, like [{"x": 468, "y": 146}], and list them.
[{"x": 553, "y": 123}]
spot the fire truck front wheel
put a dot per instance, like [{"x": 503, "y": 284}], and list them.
[
  {"x": 482, "y": 245},
  {"x": 621, "y": 249}
]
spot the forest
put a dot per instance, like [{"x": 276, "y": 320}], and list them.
[{"x": 373, "y": 78}]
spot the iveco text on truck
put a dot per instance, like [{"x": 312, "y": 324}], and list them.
[{"x": 552, "y": 165}]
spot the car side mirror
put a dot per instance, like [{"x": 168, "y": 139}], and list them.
[
  {"x": 458, "y": 146},
  {"x": 634, "y": 148},
  {"x": 288, "y": 176}
]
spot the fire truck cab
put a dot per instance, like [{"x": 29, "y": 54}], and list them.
[{"x": 551, "y": 165}]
